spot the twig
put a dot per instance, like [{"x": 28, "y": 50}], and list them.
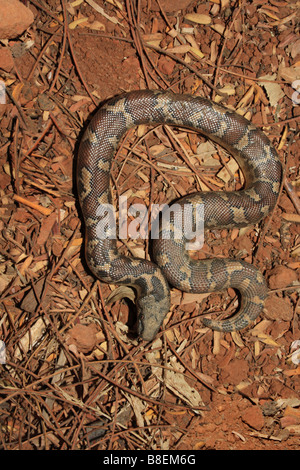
[
  {"x": 188, "y": 66},
  {"x": 74, "y": 55},
  {"x": 292, "y": 194}
]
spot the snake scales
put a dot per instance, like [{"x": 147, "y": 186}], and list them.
[{"x": 262, "y": 170}]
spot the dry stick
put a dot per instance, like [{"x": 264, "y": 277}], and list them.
[
  {"x": 190, "y": 369},
  {"x": 137, "y": 40},
  {"x": 30, "y": 75},
  {"x": 65, "y": 33},
  {"x": 83, "y": 305},
  {"x": 143, "y": 397},
  {"x": 37, "y": 4},
  {"x": 188, "y": 66},
  {"x": 76, "y": 428},
  {"x": 143, "y": 429},
  {"x": 164, "y": 14},
  {"x": 153, "y": 165},
  {"x": 112, "y": 331},
  {"x": 16, "y": 159},
  {"x": 153, "y": 364},
  {"x": 142, "y": 51},
  {"x": 134, "y": 362},
  {"x": 181, "y": 40},
  {"x": 40, "y": 138},
  {"x": 22, "y": 200},
  {"x": 108, "y": 36},
  {"x": 147, "y": 55},
  {"x": 135, "y": 151},
  {"x": 54, "y": 427},
  {"x": 60, "y": 130},
  {"x": 236, "y": 13},
  {"x": 185, "y": 157},
  {"x": 292, "y": 194},
  {"x": 245, "y": 77},
  {"x": 65, "y": 252},
  {"x": 74, "y": 56},
  {"x": 110, "y": 327},
  {"x": 280, "y": 123},
  {"x": 114, "y": 422},
  {"x": 21, "y": 113},
  {"x": 158, "y": 72},
  {"x": 32, "y": 387}
]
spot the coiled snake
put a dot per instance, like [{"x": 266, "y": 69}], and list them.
[{"x": 262, "y": 170}]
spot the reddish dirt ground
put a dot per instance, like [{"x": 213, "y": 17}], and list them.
[{"x": 75, "y": 376}]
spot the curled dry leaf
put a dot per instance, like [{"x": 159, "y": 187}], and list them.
[
  {"x": 273, "y": 90},
  {"x": 120, "y": 293}
]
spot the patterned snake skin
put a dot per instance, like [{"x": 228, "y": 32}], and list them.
[{"x": 262, "y": 170}]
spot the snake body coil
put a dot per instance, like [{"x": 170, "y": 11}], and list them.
[{"x": 262, "y": 170}]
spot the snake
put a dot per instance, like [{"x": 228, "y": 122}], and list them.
[{"x": 171, "y": 263}]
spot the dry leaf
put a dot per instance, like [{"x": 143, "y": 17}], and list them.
[
  {"x": 188, "y": 298},
  {"x": 138, "y": 407},
  {"x": 176, "y": 296},
  {"x": 293, "y": 429},
  {"x": 174, "y": 380},
  {"x": 261, "y": 327},
  {"x": 181, "y": 49},
  {"x": 224, "y": 174},
  {"x": 273, "y": 90},
  {"x": 264, "y": 338},
  {"x": 120, "y": 293},
  {"x": 100, "y": 10},
  {"x": 31, "y": 337},
  {"x": 220, "y": 29},
  {"x": 46, "y": 228},
  {"x": 76, "y": 23},
  {"x": 76, "y": 3},
  {"x": 269, "y": 13},
  {"x": 153, "y": 38},
  {"x": 198, "y": 18},
  {"x": 96, "y": 26},
  {"x": 206, "y": 150},
  {"x": 290, "y": 74},
  {"x": 196, "y": 52},
  {"x": 295, "y": 48},
  {"x": 282, "y": 403},
  {"x": 237, "y": 339},
  {"x": 229, "y": 89},
  {"x": 115, "y": 3},
  {"x": 291, "y": 217}
]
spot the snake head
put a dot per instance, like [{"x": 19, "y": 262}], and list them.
[{"x": 151, "y": 313}]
